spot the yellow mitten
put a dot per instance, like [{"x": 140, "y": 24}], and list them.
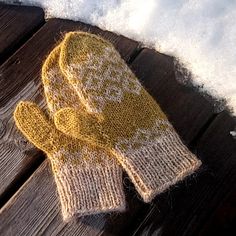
[
  {"x": 121, "y": 116},
  {"x": 88, "y": 178}
]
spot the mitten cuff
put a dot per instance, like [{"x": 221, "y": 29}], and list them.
[
  {"x": 154, "y": 168},
  {"x": 90, "y": 190}
]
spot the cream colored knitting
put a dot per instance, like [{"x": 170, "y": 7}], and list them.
[
  {"x": 88, "y": 178},
  {"x": 121, "y": 116}
]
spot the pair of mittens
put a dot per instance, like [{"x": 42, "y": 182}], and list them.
[
  {"x": 100, "y": 118},
  {"x": 121, "y": 116}
]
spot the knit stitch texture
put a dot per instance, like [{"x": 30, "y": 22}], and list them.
[{"x": 121, "y": 116}]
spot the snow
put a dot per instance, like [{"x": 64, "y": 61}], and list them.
[
  {"x": 199, "y": 33},
  {"x": 233, "y": 133}
]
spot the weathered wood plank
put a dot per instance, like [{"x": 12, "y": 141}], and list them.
[
  {"x": 35, "y": 210},
  {"x": 27, "y": 87},
  {"x": 16, "y": 25},
  {"x": 185, "y": 211},
  {"x": 186, "y": 109}
]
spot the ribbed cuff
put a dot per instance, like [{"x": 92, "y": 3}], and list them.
[
  {"x": 155, "y": 167},
  {"x": 89, "y": 191}
]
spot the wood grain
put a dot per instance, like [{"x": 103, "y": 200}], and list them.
[
  {"x": 17, "y": 24},
  {"x": 25, "y": 65},
  {"x": 187, "y": 209},
  {"x": 35, "y": 210}
]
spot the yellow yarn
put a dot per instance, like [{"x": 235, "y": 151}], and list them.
[
  {"x": 87, "y": 61},
  {"x": 41, "y": 131},
  {"x": 115, "y": 113},
  {"x": 34, "y": 124},
  {"x": 121, "y": 116}
]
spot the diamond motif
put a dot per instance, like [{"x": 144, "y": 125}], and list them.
[
  {"x": 93, "y": 83},
  {"x": 131, "y": 85},
  {"x": 113, "y": 94},
  {"x": 106, "y": 79}
]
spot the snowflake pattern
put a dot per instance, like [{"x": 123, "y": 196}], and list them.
[
  {"x": 143, "y": 138},
  {"x": 104, "y": 80}
]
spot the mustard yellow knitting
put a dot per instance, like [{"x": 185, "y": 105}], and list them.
[
  {"x": 88, "y": 179},
  {"x": 121, "y": 116}
]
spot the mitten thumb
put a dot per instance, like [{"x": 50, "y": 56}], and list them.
[
  {"x": 39, "y": 130},
  {"x": 81, "y": 125}
]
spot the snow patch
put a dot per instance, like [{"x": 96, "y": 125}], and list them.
[{"x": 201, "y": 34}]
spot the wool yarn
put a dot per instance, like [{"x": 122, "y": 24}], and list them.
[{"x": 121, "y": 116}]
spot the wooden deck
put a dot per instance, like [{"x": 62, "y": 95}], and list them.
[{"x": 203, "y": 204}]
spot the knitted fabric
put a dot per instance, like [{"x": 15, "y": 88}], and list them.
[
  {"x": 121, "y": 116},
  {"x": 88, "y": 178}
]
